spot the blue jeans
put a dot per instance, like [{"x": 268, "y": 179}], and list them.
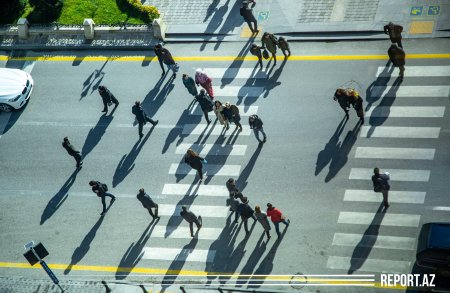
[
  {"x": 256, "y": 132},
  {"x": 277, "y": 226}
]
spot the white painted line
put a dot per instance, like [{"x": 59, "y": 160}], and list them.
[
  {"x": 76, "y": 124},
  {"x": 199, "y": 210},
  {"x": 395, "y": 174},
  {"x": 406, "y": 111},
  {"x": 400, "y": 132},
  {"x": 199, "y": 129},
  {"x": 375, "y": 241},
  {"x": 208, "y": 170},
  {"x": 447, "y": 209},
  {"x": 28, "y": 66},
  {"x": 179, "y": 254},
  {"x": 387, "y": 219},
  {"x": 4, "y": 119},
  {"x": 394, "y": 153},
  {"x": 418, "y": 71},
  {"x": 369, "y": 265},
  {"x": 234, "y": 72},
  {"x": 189, "y": 189},
  {"x": 414, "y": 197},
  {"x": 238, "y": 91},
  {"x": 243, "y": 110},
  {"x": 213, "y": 149},
  {"x": 183, "y": 232},
  {"x": 431, "y": 91}
]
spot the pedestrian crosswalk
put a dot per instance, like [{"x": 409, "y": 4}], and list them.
[{"x": 405, "y": 144}]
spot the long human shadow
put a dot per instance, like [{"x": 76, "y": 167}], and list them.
[
  {"x": 95, "y": 134},
  {"x": 364, "y": 247},
  {"x": 272, "y": 81},
  {"x": 157, "y": 96},
  {"x": 252, "y": 260},
  {"x": 244, "y": 96},
  {"x": 331, "y": 147},
  {"x": 134, "y": 253},
  {"x": 187, "y": 200},
  {"x": 245, "y": 174},
  {"x": 212, "y": 8},
  {"x": 177, "y": 264},
  {"x": 93, "y": 81},
  {"x": 84, "y": 246},
  {"x": 214, "y": 23},
  {"x": 230, "y": 73},
  {"x": 381, "y": 83},
  {"x": 383, "y": 107},
  {"x": 340, "y": 156},
  {"x": 126, "y": 164},
  {"x": 58, "y": 199},
  {"x": 176, "y": 132}
]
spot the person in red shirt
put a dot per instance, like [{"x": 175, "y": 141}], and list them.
[{"x": 277, "y": 217}]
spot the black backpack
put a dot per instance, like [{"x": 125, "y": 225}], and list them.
[{"x": 104, "y": 187}]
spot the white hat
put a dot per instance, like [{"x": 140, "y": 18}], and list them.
[{"x": 199, "y": 70}]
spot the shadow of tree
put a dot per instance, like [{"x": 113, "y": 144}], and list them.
[{"x": 93, "y": 81}]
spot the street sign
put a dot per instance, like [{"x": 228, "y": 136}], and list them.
[
  {"x": 434, "y": 10},
  {"x": 416, "y": 10},
  {"x": 263, "y": 15}
]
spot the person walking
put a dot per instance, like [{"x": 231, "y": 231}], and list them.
[
  {"x": 141, "y": 117},
  {"x": 148, "y": 203},
  {"x": 165, "y": 57},
  {"x": 381, "y": 184},
  {"x": 284, "y": 46},
  {"x": 201, "y": 78},
  {"x": 233, "y": 203},
  {"x": 195, "y": 161},
  {"x": 397, "y": 57},
  {"x": 76, "y": 154},
  {"x": 107, "y": 98},
  {"x": 191, "y": 218},
  {"x": 246, "y": 12},
  {"x": 257, "y": 125},
  {"x": 101, "y": 190},
  {"x": 232, "y": 189},
  {"x": 357, "y": 102},
  {"x": 218, "y": 109},
  {"x": 270, "y": 42},
  {"x": 395, "y": 33},
  {"x": 189, "y": 83},
  {"x": 205, "y": 103},
  {"x": 233, "y": 114},
  {"x": 277, "y": 217},
  {"x": 342, "y": 97},
  {"x": 246, "y": 212},
  {"x": 255, "y": 50},
  {"x": 262, "y": 219}
]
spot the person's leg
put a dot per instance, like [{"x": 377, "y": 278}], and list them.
[
  {"x": 140, "y": 127},
  {"x": 402, "y": 71},
  {"x": 385, "y": 198},
  {"x": 105, "y": 106},
  {"x": 255, "y": 30},
  {"x": 245, "y": 220},
  {"x": 399, "y": 42},
  {"x": 113, "y": 198},
  {"x": 236, "y": 215},
  {"x": 200, "y": 173},
  {"x": 249, "y": 23},
  {"x": 156, "y": 210},
  {"x": 153, "y": 122},
  {"x": 268, "y": 234},
  {"x": 151, "y": 212},
  {"x": 78, "y": 160},
  {"x": 260, "y": 61},
  {"x": 103, "y": 204},
  {"x": 256, "y": 132},
  {"x": 274, "y": 58},
  {"x": 264, "y": 134},
  {"x": 206, "y": 116},
  {"x": 238, "y": 124},
  {"x": 277, "y": 228},
  {"x": 191, "y": 227}
]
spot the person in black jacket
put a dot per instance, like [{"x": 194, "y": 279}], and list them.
[
  {"x": 247, "y": 13},
  {"x": 256, "y": 51},
  {"x": 107, "y": 98},
  {"x": 257, "y": 125},
  {"x": 205, "y": 103},
  {"x": 395, "y": 33},
  {"x": 195, "y": 161},
  {"x": 148, "y": 203},
  {"x": 381, "y": 184},
  {"x": 232, "y": 189},
  {"x": 72, "y": 151},
  {"x": 397, "y": 57},
  {"x": 101, "y": 190},
  {"x": 246, "y": 212},
  {"x": 165, "y": 57},
  {"x": 191, "y": 218},
  {"x": 141, "y": 117}
]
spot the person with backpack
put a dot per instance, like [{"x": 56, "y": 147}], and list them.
[
  {"x": 233, "y": 115},
  {"x": 101, "y": 190},
  {"x": 395, "y": 33},
  {"x": 246, "y": 212},
  {"x": 148, "y": 203},
  {"x": 73, "y": 152},
  {"x": 195, "y": 161},
  {"x": 107, "y": 98},
  {"x": 397, "y": 57},
  {"x": 257, "y": 125},
  {"x": 205, "y": 103},
  {"x": 381, "y": 184},
  {"x": 218, "y": 109},
  {"x": 191, "y": 218},
  {"x": 270, "y": 42},
  {"x": 189, "y": 83},
  {"x": 165, "y": 57},
  {"x": 201, "y": 78},
  {"x": 247, "y": 13},
  {"x": 284, "y": 46},
  {"x": 141, "y": 117},
  {"x": 255, "y": 50},
  {"x": 232, "y": 189}
]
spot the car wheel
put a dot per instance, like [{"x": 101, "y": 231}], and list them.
[{"x": 5, "y": 108}]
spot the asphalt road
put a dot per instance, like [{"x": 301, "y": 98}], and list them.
[{"x": 307, "y": 168}]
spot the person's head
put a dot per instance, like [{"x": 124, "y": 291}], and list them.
[
  {"x": 266, "y": 35},
  {"x": 66, "y": 139},
  {"x": 244, "y": 199},
  {"x": 158, "y": 47},
  {"x": 191, "y": 153},
  {"x": 227, "y": 105},
  {"x": 198, "y": 70},
  {"x": 231, "y": 181},
  {"x": 269, "y": 206},
  {"x": 202, "y": 92},
  {"x": 137, "y": 103},
  {"x": 254, "y": 45},
  {"x": 340, "y": 91},
  {"x": 258, "y": 209},
  {"x": 390, "y": 23},
  {"x": 217, "y": 104},
  {"x": 282, "y": 39},
  {"x": 184, "y": 208},
  {"x": 376, "y": 171},
  {"x": 92, "y": 182},
  {"x": 251, "y": 118},
  {"x": 101, "y": 88},
  {"x": 141, "y": 190}
]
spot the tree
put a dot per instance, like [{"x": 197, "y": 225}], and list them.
[{"x": 47, "y": 10}]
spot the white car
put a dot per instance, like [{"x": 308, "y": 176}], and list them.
[{"x": 15, "y": 88}]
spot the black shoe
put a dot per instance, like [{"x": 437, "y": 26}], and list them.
[
  {"x": 156, "y": 123},
  {"x": 209, "y": 121},
  {"x": 140, "y": 136},
  {"x": 113, "y": 200},
  {"x": 105, "y": 110},
  {"x": 103, "y": 213},
  {"x": 162, "y": 74},
  {"x": 174, "y": 75},
  {"x": 264, "y": 140}
]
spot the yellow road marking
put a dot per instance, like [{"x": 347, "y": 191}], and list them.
[
  {"x": 163, "y": 272},
  {"x": 216, "y": 58}
]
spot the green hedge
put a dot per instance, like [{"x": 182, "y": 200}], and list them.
[
  {"x": 10, "y": 10},
  {"x": 46, "y": 10},
  {"x": 148, "y": 13}
]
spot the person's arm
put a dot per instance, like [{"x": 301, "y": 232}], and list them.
[{"x": 386, "y": 30}]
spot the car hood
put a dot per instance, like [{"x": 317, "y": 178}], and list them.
[{"x": 12, "y": 81}]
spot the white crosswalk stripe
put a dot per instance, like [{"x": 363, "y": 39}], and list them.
[
  {"x": 208, "y": 169},
  {"x": 199, "y": 210},
  {"x": 238, "y": 91},
  {"x": 414, "y": 197},
  {"x": 188, "y": 189},
  {"x": 375, "y": 241},
  {"x": 368, "y": 265},
  {"x": 243, "y": 110},
  {"x": 383, "y": 219},
  {"x": 400, "y": 132},
  {"x": 199, "y": 129},
  {"x": 417, "y": 71},
  {"x": 395, "y": 174},
  {"x": 406, "y": 112},
  {"x": 434, "y": 91},
  {"x": 184, "y": 232},
  {"x": 213, "y": 149},
  {"x": 179, "y": 254},
  {"x": 235, "y": 72},
  {"x": 394, "y": 153}
]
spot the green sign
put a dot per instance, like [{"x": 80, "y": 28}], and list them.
[
  {"x": 434, "y": 10},
  {"x": 416, "y": 10},
  {"x": 263, "y": 15}
]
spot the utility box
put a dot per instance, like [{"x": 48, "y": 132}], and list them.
[
  {"x": 89, "y": 29},
  {"x": 159, "y": 29},
  {"x": 23, "y": 28}
]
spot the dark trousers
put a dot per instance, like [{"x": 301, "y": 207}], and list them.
[
  {"x": 274, "y": 58},
  {"x": 286, "y": 50},
  {"x": 277, "y": 226},
  {"x": 245, "y": 220},
  {"x": 141, "y": 124},
  {"x": 103, "y": 199},
  {"x": 398, "y": 41},
  {"x": 260, "y": 61},
  {"x": 256, "y": 132},
  {"x": 238, "y": 124},
  {"x": 200, "y": 173},
  {"x": 385, "y": 197},
  {"x": 249, "y": 22},
  {"x": 154, "y": 215},
  {"x": 402, "y": 71},
  {"x": 78, "y": 159},
  {"x": 197, "y": 222},
  {"x": 205, "y": 112},
  {"x": 105, "y": 104}
]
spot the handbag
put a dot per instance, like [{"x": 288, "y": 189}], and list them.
[{"x": 265, "y": 54}]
